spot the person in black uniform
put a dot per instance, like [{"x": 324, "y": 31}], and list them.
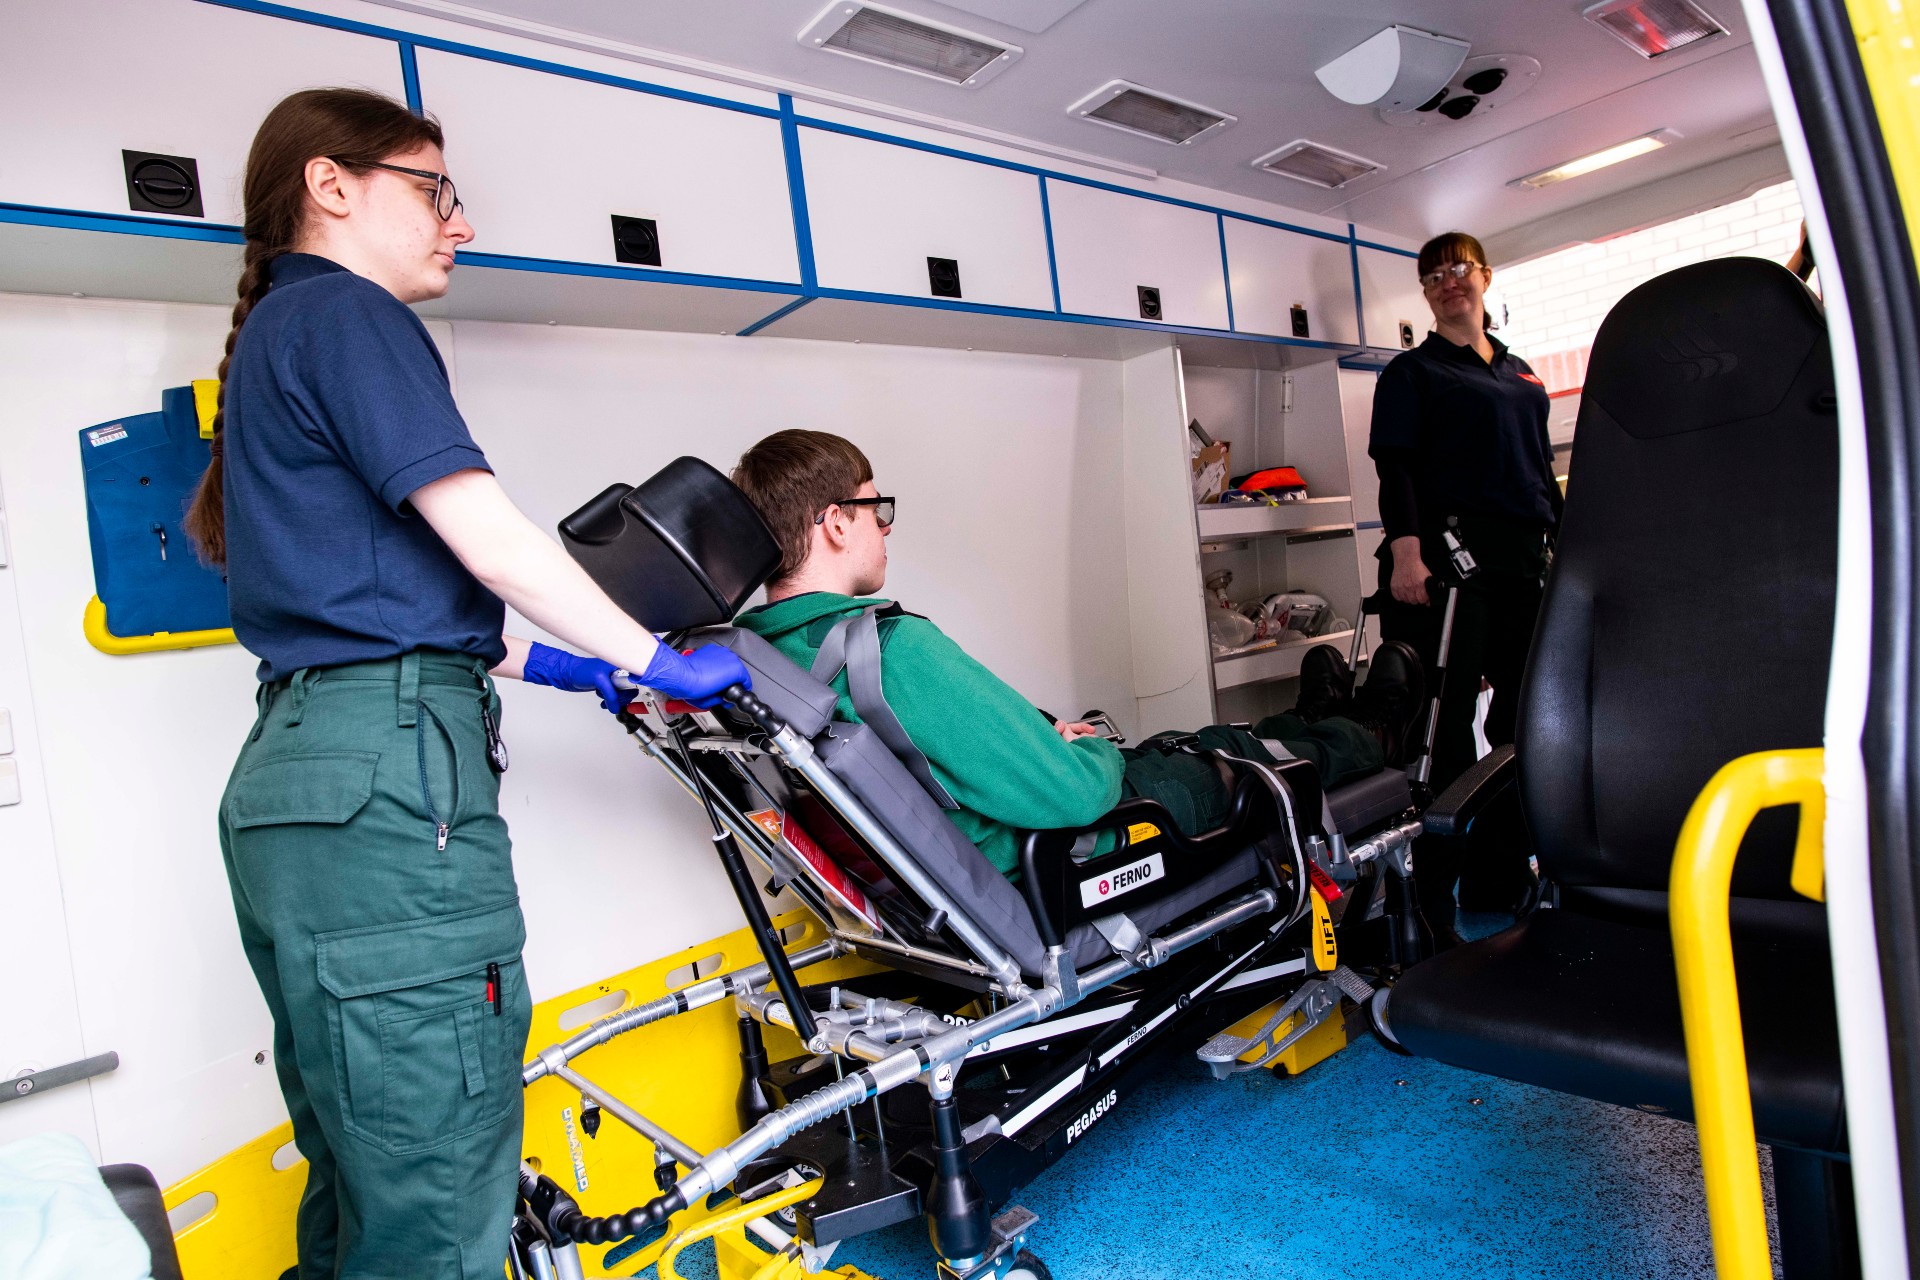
[
  {"x": 1460, "y": 435},
  {"x": 370, "y": 554}
]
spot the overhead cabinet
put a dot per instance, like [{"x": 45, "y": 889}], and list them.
[
  {"x": 1393, "y": 306},
  {"x": 162, "y": 96},
  {"x": 571, "y": 170},
  {"x": 1289, "y": 284},
  {"x": 898, "y": 220},
  {"x": 1135, "y": 258}
]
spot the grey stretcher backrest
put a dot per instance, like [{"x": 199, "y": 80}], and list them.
[
  {"x": 890, "y": 793},
  {"x": 796, "y": 697}
]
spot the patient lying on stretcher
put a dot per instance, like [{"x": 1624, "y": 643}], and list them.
[{"x": 1007, "y": 765}]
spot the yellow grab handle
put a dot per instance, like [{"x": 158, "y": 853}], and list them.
[
  {"x": 1709, "y": 998},
  {"x": 94, "y": 624},
  {"x": 732, "y": 1218}
]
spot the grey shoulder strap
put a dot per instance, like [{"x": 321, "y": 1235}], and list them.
[
  {"x": 854, "y": 643},
  {"x": 833, "y": 650}
]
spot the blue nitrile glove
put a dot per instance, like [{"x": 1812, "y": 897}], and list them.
[
  {"x": 559, "y": 669},
  {"x": 696, "y": 677}
]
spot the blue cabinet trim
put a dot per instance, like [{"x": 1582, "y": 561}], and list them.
[
  {"x": 797, "y": 193},
  {"x": 781, "y": 314},
  {"x": 410, "y": 77}
]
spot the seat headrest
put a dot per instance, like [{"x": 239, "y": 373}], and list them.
[
  {"x": 1712, "y": 343},
  {"x": 682, "y": 549}
]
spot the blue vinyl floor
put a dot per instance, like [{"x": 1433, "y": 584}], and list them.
[{"x": 1370, "y": 1166}]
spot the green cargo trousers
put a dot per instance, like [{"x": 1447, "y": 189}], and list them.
[
  {"x": 1191, "y": 788},
  {"x": 373, "y": 881}
]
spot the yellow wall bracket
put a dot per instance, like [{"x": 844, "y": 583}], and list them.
[
  {"x": 206, "y": 403},
  {"x": 94, "y": 623},
  {"x": 1709, "y": 997}
]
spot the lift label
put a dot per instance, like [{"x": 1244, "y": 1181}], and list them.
[
  {"x": 106, "y": 435},
  {"x": 1121, "y": 880},
  {"x": 1092, "y": 1115}
]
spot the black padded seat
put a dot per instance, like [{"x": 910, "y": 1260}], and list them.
[
  {"x": 1592, "y": 1007},
  {"x": 1687, "y": 621},
  {"x": 1364, "y": 801}
]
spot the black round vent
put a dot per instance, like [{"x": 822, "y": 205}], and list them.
[
  {"x": 1433, "y": 102},
  {"x": 163, "y": 183},
  {"x": 636, "y": 240},
  {"x": 1459, "y": 108},
  {"x": 1485, "y": 82}
]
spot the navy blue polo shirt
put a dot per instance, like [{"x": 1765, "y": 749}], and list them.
[
  {"x": 337, "y": 409},
  {"x": 1455, "y": 435}
]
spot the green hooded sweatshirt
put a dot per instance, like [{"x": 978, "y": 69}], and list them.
[{"x": 996, "y": 754}]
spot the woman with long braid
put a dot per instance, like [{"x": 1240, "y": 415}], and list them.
[{"x": 368, "y": 550}]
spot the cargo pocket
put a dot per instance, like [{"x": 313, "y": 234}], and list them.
[
  {"x": 309, "y": 786},
  {"x": 418, "y": 1047}
]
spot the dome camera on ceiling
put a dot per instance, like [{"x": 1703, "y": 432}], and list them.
[{"x": 1394, "y": 70}]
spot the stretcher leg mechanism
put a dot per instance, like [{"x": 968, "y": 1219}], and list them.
[{"x": 1005, "y": 1021}]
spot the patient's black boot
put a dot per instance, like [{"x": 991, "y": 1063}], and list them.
[
  {"x": 1392, "y": 698},
  {"x": 1326, "y": 683}
]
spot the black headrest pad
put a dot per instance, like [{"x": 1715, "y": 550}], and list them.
[
  {"x": 1688, "y": 618},
  {"x": 682, "y": 549}
]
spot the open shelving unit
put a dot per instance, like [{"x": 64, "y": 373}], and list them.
[
  {"x": 1311, "y": 414},
  {"x": 1267, "y": 661}
]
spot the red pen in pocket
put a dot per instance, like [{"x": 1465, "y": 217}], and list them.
[{"x": 493, "y": 987}]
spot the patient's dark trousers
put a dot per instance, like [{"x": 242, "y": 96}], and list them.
[
  {"x": 373, "y": 882},
  {"x": 1196, "y": 796},
  {"x": 1492, "y": 632}
]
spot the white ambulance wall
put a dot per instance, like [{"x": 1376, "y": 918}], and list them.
[
  {"x": 1009, "y": 473},
  {"x": 1007, "y": 470}
]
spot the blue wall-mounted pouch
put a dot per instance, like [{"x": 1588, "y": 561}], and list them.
[{"x": 141, "y": 473}]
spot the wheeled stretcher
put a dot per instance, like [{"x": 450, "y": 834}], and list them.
[{"x": 1007, "y": 1018}]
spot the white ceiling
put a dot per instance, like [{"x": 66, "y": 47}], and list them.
[{"x": 1254, "y": 59}]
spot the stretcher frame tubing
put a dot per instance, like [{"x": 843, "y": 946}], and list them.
[
  {"x": 682, "y": 1075},
  {"x": 887, "y": 1053}
]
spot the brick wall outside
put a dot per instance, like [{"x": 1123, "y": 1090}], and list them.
[{"x": 1555, "y": 304}]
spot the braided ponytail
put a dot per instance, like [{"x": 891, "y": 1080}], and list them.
[{"x": 356, "y": 127}]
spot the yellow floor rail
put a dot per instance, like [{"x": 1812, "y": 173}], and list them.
[{"x": 1709, "y": 998}]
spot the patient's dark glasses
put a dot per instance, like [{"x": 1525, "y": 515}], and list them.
[
  {"x": 445, "y": 199},
  {"x": 882, "y": 509}
]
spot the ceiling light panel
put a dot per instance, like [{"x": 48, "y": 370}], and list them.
[
  {"x": 1597, "y": 160},
  {"x": 1314, "y": 162},
  {"x": 890, "y": 38},
  {"x": 1120, "y": 104},
  {"x": 1654, "y": 28}
]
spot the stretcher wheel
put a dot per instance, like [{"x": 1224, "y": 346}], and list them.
[{"x": 1028, "y": 1267}]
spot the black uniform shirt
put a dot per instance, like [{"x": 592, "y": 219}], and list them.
[
  {"x": 1456, "y": 436},
  {"x": 338, "y": 408}
]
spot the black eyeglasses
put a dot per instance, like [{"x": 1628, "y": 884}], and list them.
[
  {"x": 882, "y": 509},
  {"x": 445, "y": 200},
  {"x": 1452, "y": 271}
]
